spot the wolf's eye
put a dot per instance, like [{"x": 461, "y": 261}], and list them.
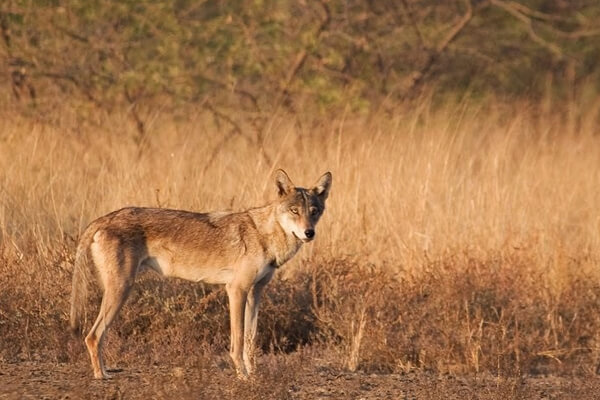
[
  {"x": 314, "y": 211},
  {"x": 294, "y": 210}
]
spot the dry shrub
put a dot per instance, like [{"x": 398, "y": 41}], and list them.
[
  {"x": 34, "y": 302},
  {"x": 186, "y": 321},
  {"x": 170, "y": 319},
  {"x": 462, "y": 313},
  {"x": 286, "y": 320}
]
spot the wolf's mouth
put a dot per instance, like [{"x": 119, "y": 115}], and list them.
[{"x": 305, "y": 240}]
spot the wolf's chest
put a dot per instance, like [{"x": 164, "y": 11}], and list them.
[{"x": 285, "y": 253}]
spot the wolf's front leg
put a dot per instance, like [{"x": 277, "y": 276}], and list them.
[
  {"x": 251, "y": 319},
  {"x": 237, "y": 300}
]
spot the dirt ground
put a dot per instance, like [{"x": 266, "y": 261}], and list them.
[{"x": 280, "y": 379}]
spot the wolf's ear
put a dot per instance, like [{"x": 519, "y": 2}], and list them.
[
  {"x": 323, "y": 185},
  {"x": 283, "y": 182}
]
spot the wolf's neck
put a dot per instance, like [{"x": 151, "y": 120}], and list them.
[{"x": 279, "y": 245}]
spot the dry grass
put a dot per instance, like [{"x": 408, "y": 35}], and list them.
[{"x": 461, "y": 239}]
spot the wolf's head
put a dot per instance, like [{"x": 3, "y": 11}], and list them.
[{"x": 299, "y": 209}]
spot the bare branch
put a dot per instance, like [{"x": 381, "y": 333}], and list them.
[
  {"x": 235, "y": 126},
  {"x": 241, "y": 92},
  {"x": 460, "y": 25},
  {"x": 139, "y": 122},
  {"x": 413, "y": 23},
  {"x": 534, "y": 13},
  {"x": 418, "y": 76},
  {"x": 71, "y": 34},
  {"x": 236, "y": 129},
  {"x": 582, "y": 33},
  {"x": 70, "y": 78},
  {"x": 303, "y": 54},
  {"x": 515, "y": 12}
]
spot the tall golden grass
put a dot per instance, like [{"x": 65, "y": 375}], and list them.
[{"x": 462, "y": 237}]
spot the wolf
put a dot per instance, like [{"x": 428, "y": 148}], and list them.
[{"x": 241, "y": 250}]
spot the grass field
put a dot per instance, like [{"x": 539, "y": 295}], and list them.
[{"x": 463, "y": 239}]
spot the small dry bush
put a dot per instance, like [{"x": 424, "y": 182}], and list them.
[
  {"x": 461, "y": 314},
  {"x": 463, "y": 238}
]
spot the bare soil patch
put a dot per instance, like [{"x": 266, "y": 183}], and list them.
[{"x": 281, "y": 378}]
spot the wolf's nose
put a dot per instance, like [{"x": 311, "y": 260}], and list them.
[{"x": 310, "y": 233}]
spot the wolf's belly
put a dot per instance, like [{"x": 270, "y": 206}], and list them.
[{"x": 214, "y": 274}]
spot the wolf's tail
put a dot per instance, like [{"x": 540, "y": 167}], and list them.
[{"x": 82, "y": 275}]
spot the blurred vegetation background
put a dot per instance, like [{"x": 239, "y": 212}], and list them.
[
  {"x": 480, "y": 168},
  {"x": 300, "y": 56}
]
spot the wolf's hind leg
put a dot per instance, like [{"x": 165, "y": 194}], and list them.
[{"x": 118, "y": 278}]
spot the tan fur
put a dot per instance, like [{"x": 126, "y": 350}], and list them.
[{"x": 238, "y": 249}]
